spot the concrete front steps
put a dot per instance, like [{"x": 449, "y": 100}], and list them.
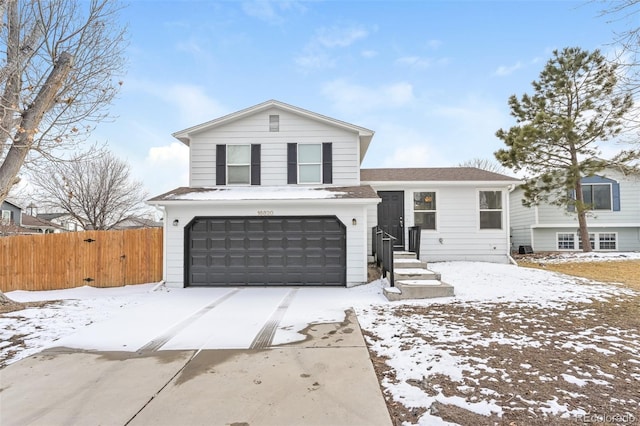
[{"x": 413, "y": 280}]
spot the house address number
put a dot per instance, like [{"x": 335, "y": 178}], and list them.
[{"x": 265, "y": 212}]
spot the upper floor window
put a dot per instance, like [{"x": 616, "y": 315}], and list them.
[
  {"x": 238, "y": 164},
  {"x": 309, "y": 163},
  {"x": 597, "y": 196},
  {"x": 424, "y": 209},
  {"x": 490, "y": 209}
]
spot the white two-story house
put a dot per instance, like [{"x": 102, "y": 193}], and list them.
[
  {"x": 613, "y": 222},
  {"x": 276, "y": 196}
]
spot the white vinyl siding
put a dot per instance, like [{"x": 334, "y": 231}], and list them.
[
  {"x": 293, "y": 128},
  {"x": 457, "y": 236}
]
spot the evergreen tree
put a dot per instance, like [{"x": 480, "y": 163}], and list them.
[{"x": 576, "y": 108}]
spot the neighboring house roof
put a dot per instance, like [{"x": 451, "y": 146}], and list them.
[
  {"x": 364, "y": 134},
  {"x": 137, "y": 222},
  {"x": 435, "y": 174},
  {"x": 266, "y": 193},
  {"x": 13, "y": 203},
  {"x": 51, "y": 216},
  {"x": 39, "y": 223}
]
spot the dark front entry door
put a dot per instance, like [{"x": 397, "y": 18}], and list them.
[{"x": 391, "y": 216}]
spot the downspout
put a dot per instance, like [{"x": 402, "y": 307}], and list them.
[{"x": 510, "y": 258}]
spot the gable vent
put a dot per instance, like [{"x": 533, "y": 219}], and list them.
[{"x": 274, "y": 123}]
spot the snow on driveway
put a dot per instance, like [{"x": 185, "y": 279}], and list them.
[{"x": 128, "y": 318}]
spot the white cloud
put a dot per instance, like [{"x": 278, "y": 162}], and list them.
[
  {"x": 355, "y": 98},
  {"x": 434, "y": 44},
  {"x": 193, "y": 105},
  {"x": 507, "y": 70},
  {"x": 315, "y": 60},
  {"x": 414, "y": 62},
  {"x": 340, "y": 36},
  {"x": 410, "y": 156},
  {"x": 369, "y": 53},
  {"x": 317, "y": 54},
  {"x": 166, "y": 167},
  {"x": 269, "y": 11}
]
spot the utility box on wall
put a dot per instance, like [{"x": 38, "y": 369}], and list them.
[{"x": 525, "y": 250}]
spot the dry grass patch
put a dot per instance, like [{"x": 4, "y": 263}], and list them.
[{"x": 621, "y": 271}]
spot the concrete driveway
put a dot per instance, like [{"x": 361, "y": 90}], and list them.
[{"x": 205, "y": 356}]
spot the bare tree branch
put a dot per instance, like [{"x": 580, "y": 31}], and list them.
[
  {"x": 37, "y": 39},
  {"x": 98, "y": 192}
]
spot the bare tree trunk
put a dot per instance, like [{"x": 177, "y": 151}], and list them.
[
  {"x": 581, "y": 210},
  {"x": 31, "y": 119}
]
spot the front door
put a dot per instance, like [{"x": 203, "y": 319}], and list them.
[{"x": 391, "y": 216}]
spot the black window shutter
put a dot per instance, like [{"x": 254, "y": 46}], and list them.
[
  {"x": 221, "y": 164},
  {"x": 292, "y": 163},
  {"x": 327, "y": 163},
  {"x": 255, "y": 164}
]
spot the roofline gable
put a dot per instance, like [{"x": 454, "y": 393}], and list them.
[{"x": 365, "y": 135}]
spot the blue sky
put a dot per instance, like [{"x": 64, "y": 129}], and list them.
[{"x": 431, "y": 78}]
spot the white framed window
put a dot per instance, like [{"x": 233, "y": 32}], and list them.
[
  {"x": 424, "y": 209},
  {"x": 608, "y": 241},
  {"x": 566, "y": 241},
  {"x": 490, "y": 203},
  {"x": 238, "y": 164},
  {"x": 592, "y": 241},
  {"x": 599, "y": 241},
  {"x": 597, "y": 195},
  {"x": 6, "y": 217},
  {"x": 310, "y": 163}
]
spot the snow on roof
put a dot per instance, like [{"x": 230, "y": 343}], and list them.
[{"x": 266, "y": 193}]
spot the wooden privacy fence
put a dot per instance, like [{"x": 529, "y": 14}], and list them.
[{"x": 74, "y": 259}]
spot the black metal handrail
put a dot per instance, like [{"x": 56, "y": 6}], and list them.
[
  {"x": 382, "y": 250},
  {"x": 414, "y": 240}
]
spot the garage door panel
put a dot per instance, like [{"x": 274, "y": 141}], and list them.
[{"x": 266, "y": 251}]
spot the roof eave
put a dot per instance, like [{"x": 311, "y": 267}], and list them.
[
  {"x": 182, "y": 202},
  {"x": 443, "y": 182}
]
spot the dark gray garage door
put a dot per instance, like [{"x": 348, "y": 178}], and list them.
[{"x": 265, "y": 251}]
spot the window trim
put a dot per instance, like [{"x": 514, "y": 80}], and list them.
[
  {"x": 480, "y": 210},
  {"x": 319, "y": 164},
  {"x": 435, "y": 192},
  {"x": 5, "y": 220},
  {"x": 228, "y": 164},
  {"x": 610, "y": 195},
  {"x": 596, "y": 241},
  {"x": 573, "y": 241}
]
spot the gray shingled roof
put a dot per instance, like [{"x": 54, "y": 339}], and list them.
[
  {"x": 431, "y": 174},
  {"x": 343, "y": 192}
]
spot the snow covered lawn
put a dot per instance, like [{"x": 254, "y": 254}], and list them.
[{"x": 515, "y": 345}]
